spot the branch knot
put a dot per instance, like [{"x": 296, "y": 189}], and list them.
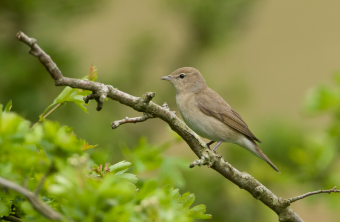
[
  {"x": 206, "y": 159},
  {"x": 147, "y": 97},
  {"x": 165, "y": 106},
  {"x": 143, "y": 102},
  {"x": 99, "y": 95},
  {"x": 284, "y": 202},
  {"x": 259, "y": 190}
]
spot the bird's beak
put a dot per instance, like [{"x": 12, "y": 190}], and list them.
[{"x": 166, "y": 77}]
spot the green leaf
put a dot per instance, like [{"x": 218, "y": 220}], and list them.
[
  {"x": 173, "y": 177},
  {"x": 198, "y": 211},
  {"x": 5, "y": 210},
  {"x": 76, "y": 98},
  {"x": 120, "y": 167},
  {"x": 5, "y": 204},
  {"x": 87, "y": 146},
  {"x": 8, "y": 107},
  {"x": 35, "y": 135},
  {"x": 75, "y": 95},
  {"x": 71, "y": 95},
  {"x": 148, "y": 187},
  {"x": 95, "y": 166},
  {"x": 129, "y": 177},
  {"x": 187, "y": 199},
  {"x": 145, "y": 157},
  {"x": 173, "y": 192},
  {"x": 64, "y": 95},
  {"x": 81, "y": 105},
  {"x": 199, "y": 208}
]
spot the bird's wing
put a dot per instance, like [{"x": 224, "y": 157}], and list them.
[{"x": 212, "y": 104}]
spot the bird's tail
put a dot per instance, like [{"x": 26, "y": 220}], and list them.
[{"x": 260, "y": 154}]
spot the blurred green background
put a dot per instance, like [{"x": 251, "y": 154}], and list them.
[{"x": 265, "y": 58}]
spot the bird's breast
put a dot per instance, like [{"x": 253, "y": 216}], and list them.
[{"x": 204, "y": 125}]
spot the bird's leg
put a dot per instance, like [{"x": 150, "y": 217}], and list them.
[
  {"x": 219, "y": 143},
  {"x": 208, "y": 144}
]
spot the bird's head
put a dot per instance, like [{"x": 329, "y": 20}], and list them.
[{"x": 186, "y": 79}]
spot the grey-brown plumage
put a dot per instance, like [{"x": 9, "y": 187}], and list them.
[
  {"x": 205, "y": 112},
  {"x": 210, "y": 103}
]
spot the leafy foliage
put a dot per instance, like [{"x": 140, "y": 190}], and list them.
[
  {"x": 71, "y": 95},
  {"x": 77, "y": 187},
  {"x": 148, "y": 159},
  {"x": 323, "y": 149}
]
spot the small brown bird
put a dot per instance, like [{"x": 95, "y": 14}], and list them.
[{"x": 206, "y": 113}]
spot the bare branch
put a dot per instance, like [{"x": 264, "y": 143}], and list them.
[
  {"x": 42, "y": 56},
  {"x": 144, "y": 104},
  {"x": 293, "y": 199},
  {"x": 145, "y": 100},
  {"x": 39, "y": 205},
  {"x": 143, "y": 118},
  {"x": 11, "y": 218}
]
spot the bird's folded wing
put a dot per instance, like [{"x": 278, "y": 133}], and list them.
[{"x": 215, "y": 106}]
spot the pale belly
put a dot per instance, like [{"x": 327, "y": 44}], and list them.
[{"x": 204, "y": 125}]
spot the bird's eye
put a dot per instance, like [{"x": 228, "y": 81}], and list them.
[{"x": 181, "y": 76}]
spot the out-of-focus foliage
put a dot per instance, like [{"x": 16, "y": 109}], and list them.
[
  {"x": 77, "y": 187},
  {"x": 148, "y": 159},
  {"x": 310, "y": 156},
  {"x": 21, "y": 16},
  {"x": 211, "y": 22},
  {"x": 322, "y": 158}
]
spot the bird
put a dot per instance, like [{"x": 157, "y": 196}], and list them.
[{"x": 208, "y": 115}]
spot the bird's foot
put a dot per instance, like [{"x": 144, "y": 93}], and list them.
[{"x": 208, "y": 144}]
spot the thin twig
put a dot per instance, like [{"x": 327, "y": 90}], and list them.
[
  {"x": 39, "y": 205},
  {"x": 143, "y": 118},
  {"x": 49, "y": 112},
  {"x": 293, "y": 199}
]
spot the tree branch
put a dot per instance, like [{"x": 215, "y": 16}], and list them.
[
  {"x": 39, "y": 205},
  {"x": 11, "y": 218},
  {"x": 293, "y": 199},
  {"x": 144, "y": 104},
  {"x": 142, "y": 118}
]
